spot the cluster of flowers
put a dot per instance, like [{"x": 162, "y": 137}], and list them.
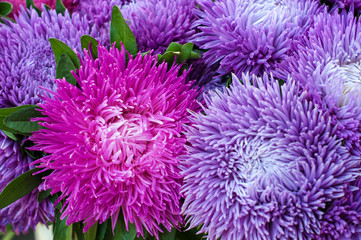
[{"x": 257, "y": 136}]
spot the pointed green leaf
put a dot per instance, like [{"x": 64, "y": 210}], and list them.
[
  {"x": 10, "y": 135},
  {"x": 61, "y": 48},
  {"x": 64, "y": 67},
  {"x": 120, "y": 32},
  {"x": 61, "y": 230},
  {"x": 78, "y": 229},
  {"x": 19, "y": 187},
  {"x": 19, "y": 122},
  {"x": 121, "y": 232},
  {"x": 174, "y": 47},
  {"x": 30, "y": 3},
  {"x": 91, "y": 44},
  {"x": 5, "y": 8},
  {"x": 91, "y": 233},
  {"x": 102, "y": 228},
  {"x": 59, "y": 7},
  {"x": 186, "y": 50},
  {"x": 4, "y": 112}
]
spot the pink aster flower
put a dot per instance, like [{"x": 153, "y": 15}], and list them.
[{"x": 113, "y": 144}]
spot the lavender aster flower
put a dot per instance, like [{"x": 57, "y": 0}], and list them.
[
  {"x": 26, "y": 212},
  {"x": 250, "y": 36},
  {"x": 157, "y": 23},
  {"x": 26, "y": 58},
  {"x": 116, "y": 143},
  {"x": 26, "y": 63},
  {"x": 327, "y": 66},
  {"x": 263, "y": 162}
]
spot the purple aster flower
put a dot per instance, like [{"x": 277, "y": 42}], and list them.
[
  {"x": 263, "y": 162},
  {"x": 26, "y": 212},
  {"x": 98, "y": 14},
  {"x": 26, "y": 63},
  {"x": 250, "y": 36},
  {"x": 114, "y": 142},
  {"x": 157, "y": 23},
  {"x": 327, "y": 66},
  {"x": 26, "y": 58},
  {"x": 355, "y": 4}
]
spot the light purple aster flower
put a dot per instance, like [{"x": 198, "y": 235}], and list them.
[
  {"x": 26, "y": 212},
  {"x": 328, "y": 67},
  {"x": 114, "y": 142},
  {"x": 26, "y": 63},
  {"x": 26, "y": 58},
  {"x": 263, "y": 162},
  {"x": 157, "y": 23},
  {"x": 98, "y": 14},
  {"x": 250, "y": 36}
]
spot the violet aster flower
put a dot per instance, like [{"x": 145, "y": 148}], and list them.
[
  {"x": 114, "y": 142},
  {"x": 157, "y": 23},
  {"x": 26, "y": 58},
  {"x": 263, "y": 162},
  {"x": 98, "y": 13},
  {"x": 26, "y": 212},
  {"x": 26, "y": 63},
  {"x": 250, "y": 36}
]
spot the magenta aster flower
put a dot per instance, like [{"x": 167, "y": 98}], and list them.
[
  {"x": 113, "y": 143},
  {"x": 263, "y": 162},
  {"x": 250, "y": 36}
]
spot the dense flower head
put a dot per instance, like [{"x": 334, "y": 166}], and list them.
[
  {"x": 327, "y": 65},
  {"x": 250, "y": 36},
  {"x": 263, "y": 162},
  {"x": 113, "y": 143},
  {"x": 26, "y": 58},
  {"x": 157, "y": 23},
  {"x": 343, "y": 4},
  {"x": 26, "y": 212},
  {"x": 98, "y": 14}
]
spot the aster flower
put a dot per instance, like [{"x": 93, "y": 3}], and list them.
[
  {"x": 263, "y": 162},
  {"x": 355, "y": 4},
  {"x": 98, "y": 15},
  {"x": 26, "y": 58},
  {"x": 26, "y": 63},
  {"x": 250, "y": 36},
  {"x": 157, "y": 23},
  {"x": 26, "y": 212},
  {"x": 115, "y": 146}
]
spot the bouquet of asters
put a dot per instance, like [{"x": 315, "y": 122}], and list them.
[{"x": 181, "y": 119}]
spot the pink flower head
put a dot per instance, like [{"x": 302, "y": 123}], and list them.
[{"x": 113, "y": 144}]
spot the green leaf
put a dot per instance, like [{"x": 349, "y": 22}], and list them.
[
  {"x": 5, "y": 8},
  {"x": 61, "y": 230},
  {"x": 4, "y": 112},
  {"x": 120, "y": 32},
  {"x": 91, "y": 44},
  {"x": 43, "y": 194},
  {"x": 19, "y": 122},
  {"x": 121, "y": 232},
  {"x": 109, "y": 232},
  {"x": 78, "y": 229},
  {"x": 186, "y": 52},
  {"x": 181, "y": 52},
  {"x": 61, "y": 48},
  {"x": 59, "y": 7},
  {"x": 168, "y": 235},
  {"x": 30, "y": 3},
  {"x": 102, "y": 228},
  {"x": 19, "y": 187},
  {"x": 64, "y": 67},
  {"x": 91, "y": 233},
  {"x": 10, "y": 135}
]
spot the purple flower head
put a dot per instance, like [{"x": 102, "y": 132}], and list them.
[
  {"x": 114, "y": 142},
  {"x": 355, "y": 4},
  {"x": 263, "y": 162},
  {"x": 26, "y": 212},
  {"x": 157, "y": 23},
  {"x": 250, "y": 36},
  {"x": 26, "y": 58},
  {"x": 327, "y": 65},
  {"x": 98, "y": 14}
]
